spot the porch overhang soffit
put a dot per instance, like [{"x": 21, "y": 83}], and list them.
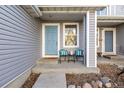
[
  {"x": 68, "y": 9},
  {"x": 38, "y": 10},
  {"x": 109, "y": 20}
]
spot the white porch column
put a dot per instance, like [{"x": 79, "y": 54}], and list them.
[{"x": 91, "y": 57}]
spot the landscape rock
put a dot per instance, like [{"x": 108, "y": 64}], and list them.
[
  {"x": 71, "y": 86},
  {"x": 106, "y": 70},
  {"x": 116, "y": 84},
  {"x": 94, "y": 84},
  {"x": 105, "y": 80},
  {"x": 108, "y": 85},
  {"x": 99, "y": 84},
  {"x": 87, "y": 85}
]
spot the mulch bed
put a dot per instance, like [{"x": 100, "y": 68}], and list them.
[
  {"x": 105, "y": 70},
  {"x": 30, "y": 81}
]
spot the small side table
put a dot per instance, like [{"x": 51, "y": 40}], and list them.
[{"x": 71, "y": 58}]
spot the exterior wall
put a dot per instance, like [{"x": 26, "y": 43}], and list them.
[
  {"x": 81, "y": 34},
  {"x": 19, "y": 81},
  {"x": 119, "y": 10},
  {"x": 91, "y": 39},
  {"x": 112, "y": 10},
  {"x": 99, "y": 49},
  {"x": 120, "y": 38},
  {"x": 19, "y": 42}
]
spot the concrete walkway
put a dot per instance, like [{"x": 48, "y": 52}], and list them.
[{"x": 51, "y": 80}]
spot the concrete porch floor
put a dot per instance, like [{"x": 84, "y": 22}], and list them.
[{"x": 51, "y": 65}]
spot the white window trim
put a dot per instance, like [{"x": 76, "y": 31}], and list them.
[
  {"x": 64, "y": 35},
  {"x": 114, "y": 41},
  {"x": 43, "y": 39},
  {"x": 97, "y": 42}
]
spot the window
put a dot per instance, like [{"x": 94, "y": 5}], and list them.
[
  {"x": 97, "y": 37},
  {"x": 98, "y": 12},
  {"x": 71, "y": 37},
  {"x": 103, "y": 12}
]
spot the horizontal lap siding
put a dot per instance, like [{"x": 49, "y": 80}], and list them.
[
  {"x": 92, "y": 39},
  {"x": 19, "y": 42}
]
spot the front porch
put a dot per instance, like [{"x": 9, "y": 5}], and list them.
[
  {"x": 51, "y": 65},
  {"x": 113, "y": 60},
  {"x": 70, "y": 29},
  {"x": 110, "y": 35}
]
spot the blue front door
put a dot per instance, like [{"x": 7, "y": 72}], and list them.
[
  {"x": 109, "y": 41},
  {"x": 51, "y": 40}
]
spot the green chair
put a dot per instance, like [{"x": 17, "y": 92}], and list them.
[
  {"x": 79, "y": 53},
  {"x": 63, "y": 54}
]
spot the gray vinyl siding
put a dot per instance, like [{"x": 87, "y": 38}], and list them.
[
  {"x": 81, "y": 35},
  {"x": 113, "y": 7},
  {"x": 99, "y": 49},
  {"x": 19, "y": 42},
  {"x": 119, "y": 10},
  {"x": 116, "y": 10},
  {"x": 61, "y": 35},
  {"x": 92, "y": 45},
  {"x": 120, "y": 38}
]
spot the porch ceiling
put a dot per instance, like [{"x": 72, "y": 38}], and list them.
[
  {"x": 68, "y": 13},
  {"x": 62, "y": 16},
  {"x": 109, "y": 20}
]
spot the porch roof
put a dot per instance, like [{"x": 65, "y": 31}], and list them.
[
  {"x": 60, "y": 8},
  {"x": 110, "y": 20},
  {"x": 39, "y": 10}
]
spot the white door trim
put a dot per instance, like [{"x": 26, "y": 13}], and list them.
[
  {"x": 43, "y": 38},
  {"x": 114, "y": 41}
]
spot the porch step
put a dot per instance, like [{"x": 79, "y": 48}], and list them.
[
  {"x": 117, "y": 60},
  {"x": 114, "y": 57},
  {"x": 48, "y": 61},
  {"x": 107, "y": 56},
  {"x": 118, "y": 57},
  {"x": 64, "y": 68},
  {"x": 51, "y": 80}
]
